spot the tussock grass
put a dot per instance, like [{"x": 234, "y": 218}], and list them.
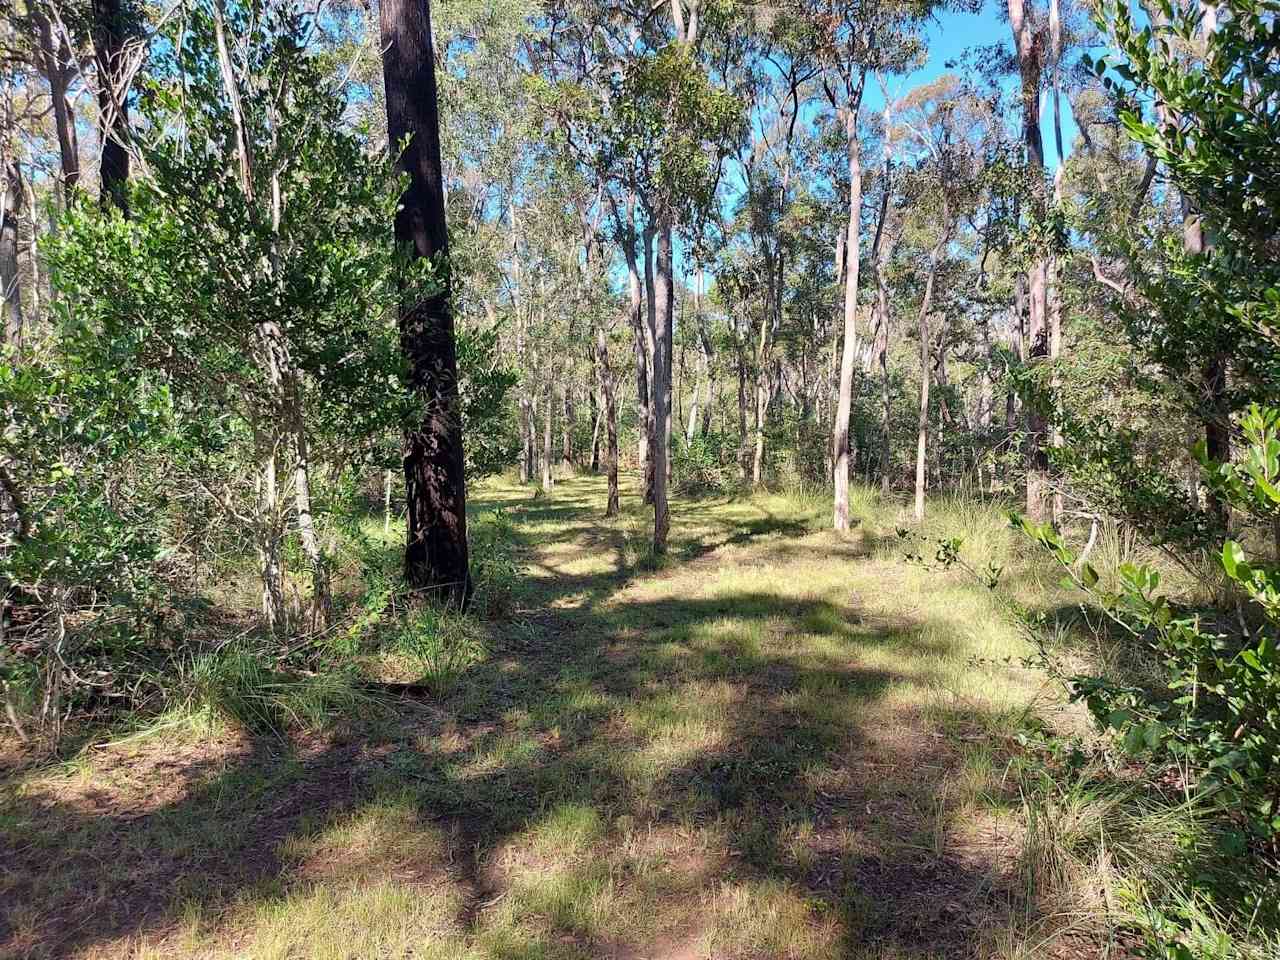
[{"x": 237, "y": 684}]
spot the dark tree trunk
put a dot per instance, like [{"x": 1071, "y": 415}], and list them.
[
  {"x": 110, "y": 30},
  {"x": 436, "y": 550},
  {"x": 548, "y": 415},
  {"x": 654, "y": 420},
  {"x": 595, "y": 428}
]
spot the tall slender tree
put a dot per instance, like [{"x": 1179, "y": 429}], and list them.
[
  {"x": 1029, "y": 46},
  {"x": 436, "y": 556}
]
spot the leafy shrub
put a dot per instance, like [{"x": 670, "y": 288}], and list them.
[
  {"x": 1216, "y": 709},
  {"x": 707, "y": 464}
]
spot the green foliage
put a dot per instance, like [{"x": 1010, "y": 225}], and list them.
[
  {"x": 239, "y": 685},
  {"x": 441, "y": 643},
  {"x": 1216, "y": 709},
  {"x": 1202, "y": 316},
  {"x": 494, "y": 569},
  {"x": 705, "y": 465},
  {"x": 668, "y": 130},
  {"x": 484, "y": 387}
]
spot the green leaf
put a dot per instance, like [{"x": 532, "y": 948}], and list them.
[
  {"x": 1232, "y": 557},
  {"x": 1153, "y": 734},
  {"x": 1088, "y": 575},
  {"x": 1135, "y": 738}
]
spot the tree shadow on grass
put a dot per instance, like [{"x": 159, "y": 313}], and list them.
[{"x": 691, "y": 714}]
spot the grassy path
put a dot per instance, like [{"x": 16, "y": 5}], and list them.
[{"x": 778, "y": 744}]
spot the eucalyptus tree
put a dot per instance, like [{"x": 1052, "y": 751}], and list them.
[
  {"x": 941, "y": 132},
  {"x": 855, "y": 39},
  {"x": 671, "y": 128},
  {"x": 640, "y": 92},
  {"x": 117, "y": 53},
  {"x": 436, "y": 552}
]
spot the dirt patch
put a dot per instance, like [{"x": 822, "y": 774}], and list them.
[{"x": 100, "y": 856}]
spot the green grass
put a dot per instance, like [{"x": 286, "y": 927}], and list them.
[{"x": 777, "y": 742}]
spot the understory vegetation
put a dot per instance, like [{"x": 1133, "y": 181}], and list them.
[
  {"x": 779, "y": 742},
  {"x": 493, "y": 478}
]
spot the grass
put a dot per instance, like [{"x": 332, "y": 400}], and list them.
[{"x": 776, "y": 742}]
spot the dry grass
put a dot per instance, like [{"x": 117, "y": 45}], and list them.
[{"x": 777, "y": 743}]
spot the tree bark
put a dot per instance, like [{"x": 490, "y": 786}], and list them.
[
  {"x": 436, "y": 557},
  {"x": 922, "y": 422},
  {"x": 762, "y": 399},
  {"x": 12, "y": 202},
  {"x": 605, "y": 378},
  {"x": 526, "y": 440},
  {"x": 844, "y": 402},
  {"x": 650, "y": 351},
  {"x": 1030, "y": 66},
  {"x": 56, "y": 68},
  {"x": 566, "y": 427},
  {"x": 549, "y": 406},
  {"x": 625, "y": 220},
  {"x": 28, "y": 251},
  {"x": 272, "y": 420},
  {"x": 595, "y": 424},
  {"x": 664, "y": 321},
  {"x": 110, "y": 30},
  {"x": 743, "y": 435}
]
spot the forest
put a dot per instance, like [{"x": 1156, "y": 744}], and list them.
[{"x": 640, "y": 479}]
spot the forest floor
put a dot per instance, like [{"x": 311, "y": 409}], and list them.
[{"x": 779, "y": 743}]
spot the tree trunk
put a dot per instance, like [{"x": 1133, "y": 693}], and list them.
[
  {"x": 269, "y": 532},
  {"x": 295, "y": 415},
  {"x": 549, "y": 406},
  {"x": 526, "y": 441},
  {"x": 28, "y": 251},
  {"x": 1054, "y": 268},
  {"x": 56, "y": 68},
  {"x": 626, "y": 221},
  {"x": 605, "y": 378},
  {"x": 436, "y": 556},
  {"x": 691, "y": 424},
  {"x": 1030, "y": 63},
  {"x": 386, "y": 501},
  {"x": 566, "y": 428},
  {"x": 272, "y": 420},
  {"x": 762, "y": 398},
  {"x": 1213, "y": 374},
  {"x": 321, "y": 600},
  {"x": 650, "y": 335},
  {"x": 922, "y": 423},
  {"x": 110, "y": 29},
  {"x": 663, "y": 303},
  {"x": 10, "y": 265},
  {"x": 743, "y": 436},
  {"x": 595, "y": 426},
  {"x": 844, "y": 402},
  {"x": 882, "y": 349}
]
